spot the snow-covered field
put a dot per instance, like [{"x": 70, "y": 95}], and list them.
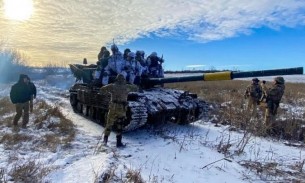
[{"x": 175, "y": 154}]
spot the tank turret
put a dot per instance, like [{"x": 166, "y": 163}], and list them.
[{"x": 153, "y": 105}]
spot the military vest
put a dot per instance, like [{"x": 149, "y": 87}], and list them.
[{"x": 254, "y": 90}]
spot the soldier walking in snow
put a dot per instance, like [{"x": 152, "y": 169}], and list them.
[
  {"x": 274, "y": 96},
  {"x": 118, "y": 105},
  {"x": 20, "y": 96},
  {"x": 253, "y": 94}
]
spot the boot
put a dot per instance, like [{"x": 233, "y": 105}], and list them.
[
  {"x": 105, "y": 139},
  {"x": 119, "y": 141}
]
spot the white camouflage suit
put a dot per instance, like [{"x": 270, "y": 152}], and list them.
[
  {"x": 132, "y": 68},
  {"x": 115, "y": 64}
]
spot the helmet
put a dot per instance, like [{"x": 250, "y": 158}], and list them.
[
  {"x": 127, "y": 50},
  {"x": 255, "y": 79},
  {"x": 120, "y": 77},
  {"x": 114, "y": 47},
  {"x": 279, "y": 80},
  {"x": 131, "y": 54},
  {"x": 138, "y": 52},
  {"x": 154, "y": 54},
  {"x": 106, "y": 53}
]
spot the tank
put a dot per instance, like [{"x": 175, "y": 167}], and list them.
[{"x": 155, "y": 104}]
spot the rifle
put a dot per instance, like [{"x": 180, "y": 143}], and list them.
[{"x": 160, "y": 68}]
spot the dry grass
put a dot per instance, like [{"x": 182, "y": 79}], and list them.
[
  {"x": 229, "y": 107},
  {"x": 31, "y": 171},
  {"x": 6, "y": 106},
  {"x": 59, "y": 132},
  {"x": 11, "y": 140}
]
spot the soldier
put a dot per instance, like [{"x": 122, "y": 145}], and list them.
[
  {"x": 132, "y": 68},
  {"x": 154, "y": 65},
  {"x": 115, "y": 64},
  {"x": 100, "y": 56},
  {"x": 33, "y": 93},
  {"x": 118, "y": 105},
  {"x": 264, "y": 91},
  {"x": 253, "y": 94},
  {"x": 274, "y": 96},
  {"x": 126, "y": 51},
  {"x": 20, "y": 95}
]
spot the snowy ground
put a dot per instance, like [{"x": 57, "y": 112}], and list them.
[{"x": 174, "y": 154}]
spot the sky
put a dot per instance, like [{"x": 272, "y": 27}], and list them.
[{"x": 193, "y": 34}]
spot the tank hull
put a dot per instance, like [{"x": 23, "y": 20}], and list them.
[{"x": 152, "y": 106}]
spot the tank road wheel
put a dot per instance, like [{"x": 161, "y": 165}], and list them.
[
  {"x": 73, "y": 101},
  {"x": 79, "y": 108},
  {"x": 92, "y": 111},
  {"x": 85, "y": 110}
]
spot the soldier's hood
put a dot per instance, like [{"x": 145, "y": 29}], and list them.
[{"x": 22, "y": 76}]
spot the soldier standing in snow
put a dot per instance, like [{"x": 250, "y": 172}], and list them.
[
  {"x": 115, "y": 64},
  {"x": 118, "y": 105},
  {"x": 253, "y": 94},
  {"x": 274, "y": 96},
  {"x": 264, "y": 90},
  {"x": 20, "y": 95}
]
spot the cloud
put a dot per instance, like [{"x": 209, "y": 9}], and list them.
[
  {"x": 195, "y": 66},
  {"x": 70, "y": 30}
]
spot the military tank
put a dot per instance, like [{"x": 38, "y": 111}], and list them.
[{"x": 154, "y": 104}]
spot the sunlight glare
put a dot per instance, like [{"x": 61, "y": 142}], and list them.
[{"x": 18, "y": 9}]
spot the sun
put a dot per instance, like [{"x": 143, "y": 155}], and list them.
[{"x": 18, "y": 9}]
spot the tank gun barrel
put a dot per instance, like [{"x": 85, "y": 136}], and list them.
[{"x": 229, "y": 75}]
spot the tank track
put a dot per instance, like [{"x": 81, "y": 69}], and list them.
[
  {"x": 153, "y": 106},
  {"x": 157, "y": 105}
]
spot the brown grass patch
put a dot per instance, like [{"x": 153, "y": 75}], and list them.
[
  {"x": 229, "y": 106},
  {"x": 6, "y": 106},
  {"x": 11, "y": 139}
]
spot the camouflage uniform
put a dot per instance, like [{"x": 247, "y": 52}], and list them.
[
  {"x": 274, "y": 96},
  {"x": 117, "y": 108},
  {"x": 264, "y": 91},
  {"x": 115, "y": 64},
  {"x": 253, "y": 94}
]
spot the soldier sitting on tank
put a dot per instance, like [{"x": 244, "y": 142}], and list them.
[
  {"x": 140, "y": 58},
  {"x": 97, "y": 75},
  {"x": 118, "y": 106},
  {"x": 114, "y": 66},
  {"x": 132, "y": 69},
  {"x": 154, "y": 65},
  {"x": 101, "y": 54},
  {"x": 126, "y": 51}
]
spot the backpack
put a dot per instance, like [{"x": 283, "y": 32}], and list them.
[{"x": 254, "y": 91}]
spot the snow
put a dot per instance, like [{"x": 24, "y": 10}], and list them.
[{"x": 173, "y": 154}]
